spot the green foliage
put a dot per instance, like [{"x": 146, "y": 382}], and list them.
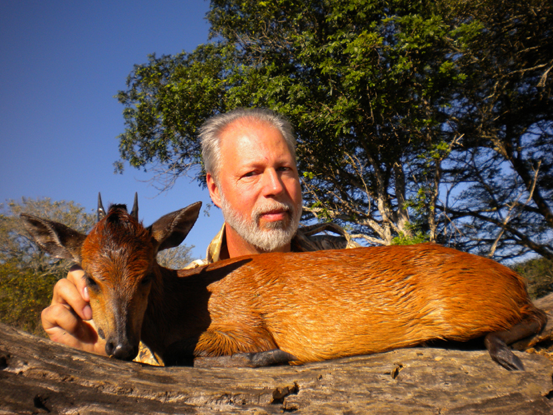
[
  {"x": 417, "y": 238},
  {"x": 342, "y": 71},
  {"x": 539, "y": 276},
  {"x": 393, "y": 103},
  {"x": 17, "y": 247},
  {"x": 23, "y": 296},
  {"x": 28, "y": 275}
]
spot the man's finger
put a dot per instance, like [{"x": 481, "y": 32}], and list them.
[{"x": 67, "y": 294}]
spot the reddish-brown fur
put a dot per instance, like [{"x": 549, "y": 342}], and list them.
[
  {"x": 315, "y": 306},
  {"x": 117, "y": 255},
  {"x": 329, "y": 304}
]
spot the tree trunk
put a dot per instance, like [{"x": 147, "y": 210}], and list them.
[{"x": 39, "y": 376}]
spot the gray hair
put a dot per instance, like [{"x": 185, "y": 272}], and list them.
[{"x": 210, "y": 133}]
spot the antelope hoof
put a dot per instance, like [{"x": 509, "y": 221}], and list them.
[
  {"x": 508, "y": 360},
  {"x": 502, "y": 354}
]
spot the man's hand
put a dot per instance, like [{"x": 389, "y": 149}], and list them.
[{"x": 65, "y": 319}]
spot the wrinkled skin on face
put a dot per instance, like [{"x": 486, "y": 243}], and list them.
[{"x": 259, "y": 192}]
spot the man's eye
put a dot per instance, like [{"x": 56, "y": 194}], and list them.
[{"x": 250, "y": 174}]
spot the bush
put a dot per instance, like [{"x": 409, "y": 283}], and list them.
[
  {"x": 539, "y": 276},
  {"x": 27, "y": 274},
  {"x": 23, "y": 295}
]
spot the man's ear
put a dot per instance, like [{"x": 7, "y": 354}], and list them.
[
  {"x": 170, "y": 230},
  {"x": 213, "y": 188},
  {"x": 55, "y": 238}
]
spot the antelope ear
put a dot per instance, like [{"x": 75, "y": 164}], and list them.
[
  {"x": 170, "y": 230},
  {"x": 55, "y": 238}
]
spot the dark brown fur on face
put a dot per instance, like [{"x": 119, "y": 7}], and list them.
[{"x": 299, "y": 307}]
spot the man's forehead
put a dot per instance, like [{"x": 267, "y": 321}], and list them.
[
  {"x": 257, "y": 132},
  {"x": 243, "y": 125},
  {"x": 239, "y": 137}
]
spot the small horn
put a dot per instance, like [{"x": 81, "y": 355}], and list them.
[
  {"x": 101, "y": 210},
  {"x": 134, "y": 211}
]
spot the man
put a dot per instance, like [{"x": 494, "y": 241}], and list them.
[{"x": 250, "y": 160}]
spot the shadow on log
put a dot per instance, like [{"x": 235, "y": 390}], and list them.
[{"x": 38, "y": 376}]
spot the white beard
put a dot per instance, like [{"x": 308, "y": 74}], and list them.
[{"x": 274, "y": 236}]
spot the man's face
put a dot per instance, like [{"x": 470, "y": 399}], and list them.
[{"x": 258, "y": 186}]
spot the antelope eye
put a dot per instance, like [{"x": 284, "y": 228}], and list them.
[
  {"x": 90, "y": 283},
  {"x": 146, "y": 280}
]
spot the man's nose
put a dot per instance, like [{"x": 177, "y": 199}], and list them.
[{"x": 272, "y": 183}]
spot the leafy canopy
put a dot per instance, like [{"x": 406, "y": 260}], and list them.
[{"x": 394, "y": 104}]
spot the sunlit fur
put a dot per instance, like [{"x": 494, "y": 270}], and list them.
[
  {"x": 330, "y": 304},
  {"x": 315, "y": 306},
  {"x": 118, "y": 254}
]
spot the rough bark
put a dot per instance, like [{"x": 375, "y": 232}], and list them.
[{"x": 39, "y": 376}]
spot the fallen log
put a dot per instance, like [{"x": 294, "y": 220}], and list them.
[{"x": 39, "y": 376}]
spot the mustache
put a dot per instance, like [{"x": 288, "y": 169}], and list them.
[{"x": 271, "y": 207}]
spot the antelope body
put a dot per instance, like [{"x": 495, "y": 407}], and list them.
[{"x": 307, "y": 306}]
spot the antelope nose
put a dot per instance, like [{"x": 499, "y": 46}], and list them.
[{"x": 121, "y": 351}]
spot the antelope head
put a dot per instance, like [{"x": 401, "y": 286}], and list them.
[{"x": 118, "y": 257}]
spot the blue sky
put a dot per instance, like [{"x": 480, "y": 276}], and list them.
[{"x": 61, "y": 63}]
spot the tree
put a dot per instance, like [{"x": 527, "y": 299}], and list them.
[
  {"x": 504, "y": 114},
  {"x": 27, "y": 275},
  {"x": 17, "y": 247},
  {"x": 338, "y": 70},
  {"x": 175, "y": 258},
  {"x": 538, "y": 273},
  {"x": 379, "y": 93}
]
